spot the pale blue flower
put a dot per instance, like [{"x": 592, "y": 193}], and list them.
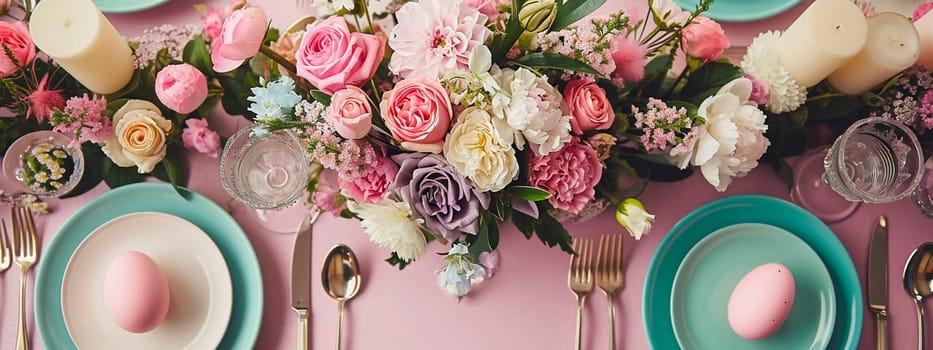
[
  {"x": 460, "y": 273},
  {"x": 275, "y": 100}
]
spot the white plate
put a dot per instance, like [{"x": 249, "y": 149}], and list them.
[{"x": 201, "y": 293}]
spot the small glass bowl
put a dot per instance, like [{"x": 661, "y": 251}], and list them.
[{"x": 44, "y": 163}]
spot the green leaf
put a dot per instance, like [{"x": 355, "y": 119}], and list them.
[
  {"x": 168, "y": 170},
  {"x": 707, "y": 80},
  {"x": 234, "y": 97},
  {"x": 529, "y": 193},
  {"x": 396, "y": 261},
  {"x": 198, "y": 54},
  {"x": 502, "y": 42},
  {"x": 116, "y": 176},
  {"x": 655, "y": 74},
  {"x": 524, "y": 223},
  {"x": 785, "y": 172},
  {"x": 321, "y": 97},
  {"x": 487, "y": 239},
  {"x": 572, "y": 11},
  {"x": 549, "y": 60}
]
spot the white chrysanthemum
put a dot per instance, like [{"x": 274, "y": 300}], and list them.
[
  {"x": 532, "y": 110},
  {"x": 764, "y": 63},
  {"x": 389, "y": 224}
]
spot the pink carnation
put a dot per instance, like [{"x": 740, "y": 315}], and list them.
[
  {"x": 760, "y": 90},
  {"x": 630, "y": 60},
  {"x": 570, "y": 175},
  {"x": 372, "y": 186},
  {"x": 197, "y": 136}
]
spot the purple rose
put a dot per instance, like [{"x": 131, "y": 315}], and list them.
[{"x": 440, "y": 195}]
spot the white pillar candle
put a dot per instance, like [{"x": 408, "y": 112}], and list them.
[
  {"x": 924, "y": 27},
  {"x": 892, "y": 46},
  {"x": 824, "y": 37},
  {"x": 78, "y": 37}
]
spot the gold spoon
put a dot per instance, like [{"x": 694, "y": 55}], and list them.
[
  {"x": 918, "y": 282},
  {"x": 341, "y": 279}
]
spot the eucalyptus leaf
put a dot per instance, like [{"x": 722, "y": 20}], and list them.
[
  {"x": 549, "y": 60},
  {"x": 572, "y": 11},
  {"x": 708, "y": 79},
  {"x": 116, "y": 176},
  {"x": 487, "y": 239}
]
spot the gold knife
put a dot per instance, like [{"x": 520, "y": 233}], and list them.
[
  {"x": 301, "y": 276},
  {"x": 878, "y": 281}
]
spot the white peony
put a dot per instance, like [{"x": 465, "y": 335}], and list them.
[
  {"x": 531, "y": 108},
  {"x": 475, "y": 149},
  {"x": 732, "y": 140},
  {"x": 389, "y": 224}
]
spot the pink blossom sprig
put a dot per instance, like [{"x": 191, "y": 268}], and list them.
[
  {"x": 84, "y": 118},
  {"x": 590, "y": 42},
  {"x": 662, "y": 126}
]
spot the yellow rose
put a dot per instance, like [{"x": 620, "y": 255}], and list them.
[{"x": 139, "y": 135}]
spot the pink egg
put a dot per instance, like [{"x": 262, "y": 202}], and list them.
[
  {"x": 761, "y": 302},
  {"x": 136, "y": 292}
]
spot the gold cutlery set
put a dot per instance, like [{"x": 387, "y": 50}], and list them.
[
  {"x": 21, "y": 248},
  {"x": 602, "y": 268},
  {"x": 340, "y": 278}
]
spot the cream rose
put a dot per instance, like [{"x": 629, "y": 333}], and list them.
[
  {"x": 475, "y": 149},
  {"x": 139, "y": 135}
]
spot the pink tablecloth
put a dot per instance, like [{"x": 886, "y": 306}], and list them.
[{"x": 527, "y": 305}]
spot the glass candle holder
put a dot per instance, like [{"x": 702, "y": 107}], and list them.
[
  {"x": 44, "y": 163},
  {"x": 267, "y": 170},
  {"x": 876, "y": 160}
]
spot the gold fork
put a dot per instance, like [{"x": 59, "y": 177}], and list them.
[
  {"x": 580, "y": 279},
  {"x": 5, "y": 255},
  {"x": 25, "y": 253},
  {"x": 609, "y": 276}
]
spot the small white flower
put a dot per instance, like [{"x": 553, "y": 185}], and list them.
[
  {"x": 330, "y": 7},
  {"x": 460, "y": 273},
  {"x": 389, "y": 224},
  {"x": 632, "y": 215},
  {"x": 763, "y": 62}
]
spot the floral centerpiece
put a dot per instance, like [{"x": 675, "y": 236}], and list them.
[{"x": 441, "y": 120}]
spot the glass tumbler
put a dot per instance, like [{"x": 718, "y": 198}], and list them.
[
  {"x": 876, "y": 160},
  {"x": 267, "y": 170}
]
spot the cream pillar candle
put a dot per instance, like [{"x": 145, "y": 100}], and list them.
[
  {"x": 824, "y": 37},
  {"x": 924, "y": 27},
  {"x": 892, "y": 46},
  {"x": 78, "y": 37}
]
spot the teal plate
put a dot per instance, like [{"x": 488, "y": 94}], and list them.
[
  {"x": 741, "y": 10},
  {"x": 125, "y": 6},
  {"x": 246, "y": 315},
  {"x": 711, "y": 270},
  {"x": 693, "y": 228}
]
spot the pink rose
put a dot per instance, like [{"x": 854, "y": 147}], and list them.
[
  {"x": 372, "y": 186},
  {"x": 15, "y": 37},
  {"x": 588, "y": 105},
  {"x": 570, "y": 175},
  {"x": 350, "y": 113},
  {"x": 418, "y": 113},
  {"x": 239, "y": 39},
  {"x": 331, "y": 57},
  {"x": 198, "y": 137},
  {"x": 181, "y": 87},
  {"x": 213, "y": 23},
  {"x": 704, "y": 39}
]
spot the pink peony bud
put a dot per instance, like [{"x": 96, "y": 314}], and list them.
[
  {"x": 181, "y": 87},
  {"x": 704, "y": 39}
]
